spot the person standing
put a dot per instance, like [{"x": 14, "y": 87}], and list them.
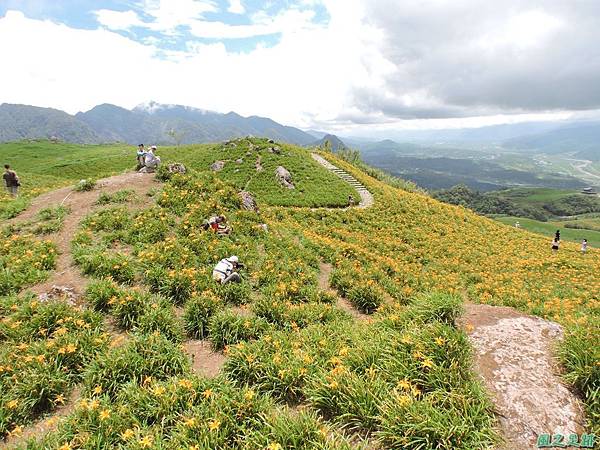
[
  {"x": 555, "y": 244},
  {"x": 584, "y": 246},
  {"x": 141, "y": 154},
  {"x": 11, "y": 180}
]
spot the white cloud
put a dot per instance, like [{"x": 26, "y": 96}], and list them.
[
  {"x": 306, "y": 75},
  {"x": 118, "y": 20},
  {"x": 236, "y": 7},
  {"x": 376, "y": 62}
]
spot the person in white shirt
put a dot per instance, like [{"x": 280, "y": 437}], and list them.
[
  {"x": 224, "y": 272},
  {"x": 584, "y": 246}
]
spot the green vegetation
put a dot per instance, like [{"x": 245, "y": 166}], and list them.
[
  {"x": 47, "y": 221},
  {"x": 534, "y": 203},
  {"x": 549, "y": 228},
  {"x": 401, "y": 378}
]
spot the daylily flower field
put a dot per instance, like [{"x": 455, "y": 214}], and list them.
[{"x": 300, "y": 371}]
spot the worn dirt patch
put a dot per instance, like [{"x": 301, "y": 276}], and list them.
[
  {"x": 80, "y": 205},
  {"x": 205, "y": 361},
  {"x": 44, "y": 426},
  {"x": 514, "y": 357},
  {"x": 342, "y": 303}
]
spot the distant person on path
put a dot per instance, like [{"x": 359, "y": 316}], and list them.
[
  {"x": 224, "y": 272},
  {"x": 584, "y": 246},
  {"x": 11, "y": 180},
  {"x": 517, "y": 224},
  {"x": 141, "y": 155},
  {"x": 555, "y": 244}
]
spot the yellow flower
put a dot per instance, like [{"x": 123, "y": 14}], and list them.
[
  {"x": 214, "y": 425},
  {"x": 60, "y": 399},
  {"x": 207, "y": 393},
  {"x": 104, "y": 414},
  {"x": 190, "y": 422},
  {"x": 275, "y": 446},
  {"x": 97, "y": 390},
  {"x": 427, "y": 363},
  {"x": 146, "y": 441},
  {"x": 249, "y": 395},
  {"x": 440, "y": 341},
  {"x": 12, "y": 404},
  {"x": 127, "y": 434}
]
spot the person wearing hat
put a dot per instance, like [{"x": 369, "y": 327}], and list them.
[
  {"x": 224, "y": 272},
  {"x": 151, "y": 160}
]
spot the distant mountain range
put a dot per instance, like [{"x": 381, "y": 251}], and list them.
[{"x": 150, "y": 123}]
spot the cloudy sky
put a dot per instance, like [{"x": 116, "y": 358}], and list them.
[{"x": 341, "y": 65}]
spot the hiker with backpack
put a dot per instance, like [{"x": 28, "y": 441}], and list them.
[{"x": 11, "y": 180}]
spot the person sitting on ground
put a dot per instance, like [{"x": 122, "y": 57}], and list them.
[
  {"x": 151, "y": 160},
  {"x": 224, "y": 272},
  {"x": 141, "y": 155},
  {"x": 351, "y": 201},
  {"x": 218, "y": 224},
  {"x": 11, "y": 180},
  {"x": 584, "y": 246}
]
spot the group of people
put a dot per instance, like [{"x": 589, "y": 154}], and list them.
[
  {"x": 556, "y": 243},
  {"x": 11, "y": 180},
  {"x": 146, "y": 159}
]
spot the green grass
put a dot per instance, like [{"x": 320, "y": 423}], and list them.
[
  {"x": 43, "y": 166},
  {"x": 549, "y": 228}
]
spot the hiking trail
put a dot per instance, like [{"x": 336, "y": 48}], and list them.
[
  {"x": 80, "y": 204},
  {"x": 366, "y": 198},
  {"x": 513, "y": 354},
  {"x": 344, "y": 304}
]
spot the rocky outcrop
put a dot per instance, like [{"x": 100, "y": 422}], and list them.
[
  {"x": 177, "y": 168},
  {"x": 217, "y": 166},
  {"x": 258, "y": 164},
  {"x": 284, "y": 177},
  {"x": 248, "y": 202}
]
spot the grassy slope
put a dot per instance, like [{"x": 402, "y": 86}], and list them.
[
  {"x": 548, "y": 228},
  {"x": 43, "y": 166},
  {"x": 405, "y": 245}
]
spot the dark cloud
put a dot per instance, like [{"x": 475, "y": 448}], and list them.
[{"x": 471, "y": 58}]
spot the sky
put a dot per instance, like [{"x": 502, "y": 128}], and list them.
[{"x": 347, "y": 66}]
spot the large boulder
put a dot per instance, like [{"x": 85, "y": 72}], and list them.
[
  {"x": 177, "y": 168},
  {"x": 217, "y": 166},
  {"x": 248, "y": 202},
  {"x": 284, "y": 177}
]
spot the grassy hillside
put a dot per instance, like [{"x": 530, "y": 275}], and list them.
[
  {"x": 407, "y": 263},
  {"x": 43, "y": 166},
  {"x": 548, "y": 229}
]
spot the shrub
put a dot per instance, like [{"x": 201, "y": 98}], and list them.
[
  {"x": 198, "y": 312},
  {"x": 227, "y": 328},
  {"x": 85, "y": 185},
  {"x": 145, "y": 356}
]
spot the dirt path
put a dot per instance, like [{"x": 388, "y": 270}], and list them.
[
  {"x": 205, "y": 361},
  {"x": 324, "y": 273},
  {"x": 366, "y": 198},
  {"x": 514, "y": 357},
  {"x": 80, "y": 205}
]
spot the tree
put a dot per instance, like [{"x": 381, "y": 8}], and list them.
[{"x": 177, "y": 136}]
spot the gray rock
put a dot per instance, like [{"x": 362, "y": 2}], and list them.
[
  {"x": 239, "y": 161},
  {"x": 176, "y": 168},
  {"x": 284, "y": 177},
  {"x": 258, "y": 164},
  {"x": 248, "y": 202},
  {"x": 217, "y": 166}
]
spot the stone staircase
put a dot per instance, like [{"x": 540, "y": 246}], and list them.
[{"x": 366, "y": 198}]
